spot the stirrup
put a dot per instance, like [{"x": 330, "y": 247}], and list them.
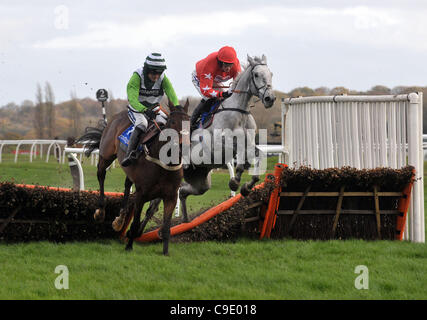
[
  {"x": 129, "y": 159},
  {"x": 195, "y": 125}
]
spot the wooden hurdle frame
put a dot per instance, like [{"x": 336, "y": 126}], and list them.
[{"x": 272, "y": 212}]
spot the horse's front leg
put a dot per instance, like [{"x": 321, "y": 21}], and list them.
[
  {"x": 200, "y": 183},
  {"x": 124, "y": 208},
  {"x": 152, "y": 209},
  {"x": 234, "y": 182},
  {"x": 185, "y": 190},
  {"x": 101, "y": 172},
  {"x": 247, "y": 187},
  {"x": 258, "y": 157},
  {"x": 134, "y": 228},
  {"x": 240, "y": 149},
  {"x": 169, "y": 206}
]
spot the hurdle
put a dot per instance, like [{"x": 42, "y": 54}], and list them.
[{"x": 361, "y": 132}]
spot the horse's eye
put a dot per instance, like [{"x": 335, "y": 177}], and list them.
[{"x": 256, "y": 75}]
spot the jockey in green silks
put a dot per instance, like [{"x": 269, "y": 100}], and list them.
[{"x": 145, "y": 90}]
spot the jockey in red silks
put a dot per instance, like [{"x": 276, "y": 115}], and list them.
[{"x": 209, "y": 76}]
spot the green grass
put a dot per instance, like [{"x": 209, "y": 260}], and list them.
[{"x": 245, "y": 269}]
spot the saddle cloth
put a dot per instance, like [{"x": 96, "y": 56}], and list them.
[
  {"x": 151, "y": 132},
  {"x": 125, "y": 136},
  {"x": 207, "y": 117}
]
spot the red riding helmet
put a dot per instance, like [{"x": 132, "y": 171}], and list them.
[{"x": 227, "y": 54}]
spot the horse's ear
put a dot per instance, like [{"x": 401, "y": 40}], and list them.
[
  {"x": 264, "y": 59},
  {"x": 251, "y": 61},
  {"x": 187, "y": 103}
]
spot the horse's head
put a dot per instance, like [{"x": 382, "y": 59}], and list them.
[
  {"x": 177, "y": 118},
  {"x": 261, "y": 83}
]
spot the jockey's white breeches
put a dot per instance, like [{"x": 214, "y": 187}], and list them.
[{"x": 140, "y": 120}]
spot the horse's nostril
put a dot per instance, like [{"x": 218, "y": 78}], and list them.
[{"x": 267, "y": 99}]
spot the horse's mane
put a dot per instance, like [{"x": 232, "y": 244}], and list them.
[
  {"x": 244, "y": 67},
  {"x": 178, "y": 108}
]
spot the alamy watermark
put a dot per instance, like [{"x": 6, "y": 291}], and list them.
[
  {"x": 362, "y": 280},
  {"x": 62, "y": 17},
  {"x": 61, "y": 281},
  {"x": 217, "y": 147}
]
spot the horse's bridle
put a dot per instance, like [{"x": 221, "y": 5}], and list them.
[
  {"x": 183, "y": 131},
  {"x": 158, "y": 161},
  {"x": 266, "y": 86},
  {"x": 258, "y": 89}
]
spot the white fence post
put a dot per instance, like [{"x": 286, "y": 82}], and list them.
[
  {"x": 75, "y": 162},
  {"x": 414, "y": 145}
]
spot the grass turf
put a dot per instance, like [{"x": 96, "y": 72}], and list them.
[
  {"x": 245, "y": 269},
  {"x": 208, "y": 270}
]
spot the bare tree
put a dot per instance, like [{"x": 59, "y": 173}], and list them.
[
  {"x": 339, "y": 90},
  {"x": 50, "y": 111},
  {"x": 110, "y": 105},
  {"x": 39, "y": 110},
  {"x": 379, "y": 90},
  {"x": 113, "y": 106},
  {"x": 322, "y": 91},
  {"x": 76, "y": 111}
]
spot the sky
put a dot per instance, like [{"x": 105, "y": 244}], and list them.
[{"x": 82, "y": 46}]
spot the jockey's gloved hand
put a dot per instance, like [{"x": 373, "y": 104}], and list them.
[
  {"x": 226, "y": 94},
  {"x": 150, "y": 114}
]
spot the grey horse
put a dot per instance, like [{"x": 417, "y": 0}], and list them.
[{"x": 232, "y": 115}]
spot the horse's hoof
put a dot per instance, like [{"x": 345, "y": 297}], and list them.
[
  {"x": 118, "y": 224},
  {"x": 159, "y": 234},
  {"x": 129, "y": 244},
  {"x": 234, "y": 184},
  {"x": 244, "y": 190},
  {"x": 185, "y": 220},
  {"x": 99, "y": 215}
]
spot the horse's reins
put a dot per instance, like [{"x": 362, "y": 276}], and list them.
[
  {"x": 227, "y": 87},
  {"x": 241, "y": 91},
  {"x": 161, "y": 164},
  {"x": 157, "y": 125},
  {"x": 253, "y": 81},
  {"x": 157, "y": 161}
]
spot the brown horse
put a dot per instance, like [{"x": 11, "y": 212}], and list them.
[{"x": 153, "y": 179}]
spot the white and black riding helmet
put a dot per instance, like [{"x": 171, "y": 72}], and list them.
[{"x": 155, "y": 62}]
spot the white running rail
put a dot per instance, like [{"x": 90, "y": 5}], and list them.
[{"x": 60, "y": 144}]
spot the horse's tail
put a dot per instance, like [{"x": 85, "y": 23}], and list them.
[{"x": 92, "y": 137}]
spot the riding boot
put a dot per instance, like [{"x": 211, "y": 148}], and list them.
[
  {"x": 133, "y": 144},
  {"x": 197, "y": 113}
]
